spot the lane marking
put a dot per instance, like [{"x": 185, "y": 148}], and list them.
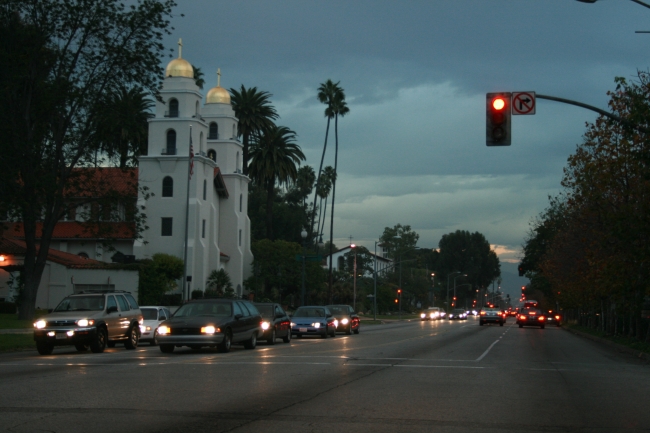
[{"x": 487, "y": 351}]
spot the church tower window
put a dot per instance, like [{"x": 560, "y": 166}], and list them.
[
  {"x": 212, "y": 154},
  {"x": 241, "y": 200},
  {"x": 205, "y": 188},
  {"x": 234, "y": 132},
  {"x": 214, "y": 131},
  {"x": 168, "y": 187},
  {"x": 237, "y": 163},
  {"x": 166, "y": 226},
  {"x": 173, "y": 108},
  {"x": 171, "y": 142}
]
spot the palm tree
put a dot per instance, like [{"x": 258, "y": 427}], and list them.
[
  {"x": 274, "y": 158},
  {"x": 324, "y": 192},
  {"x": 327, "y": 93},
  {"x": 339, "y": 108},
  {"x": 255, "y": 114}
]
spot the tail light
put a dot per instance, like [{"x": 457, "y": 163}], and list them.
[
  {"x": 557, "y": 317},
  {"x": 522, "y": 317},
  {"x": 540, "y": 318},
  {"x": 482, "y": 313}
]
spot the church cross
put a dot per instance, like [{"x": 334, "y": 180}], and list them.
[
  {"x": 218, "y": 77},
  {"x": 180, "y": 47}
]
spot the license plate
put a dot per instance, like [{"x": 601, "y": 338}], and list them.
[
  {"x": 61, "y": 336},
  {"x": 302, "y": 329}
]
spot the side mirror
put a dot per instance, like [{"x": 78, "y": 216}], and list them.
[
  {"x": 238, "y": 316},
  {"x": 111, "y": 309},
  {"x": 329, "y": 315},
  {"x": 162, "y": 318}
]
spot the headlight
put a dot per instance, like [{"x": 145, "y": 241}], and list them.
[
  {"x": 344, "y": 321},
  {"x": 336, "y": 323},
  {"x": 293, "y": 324},
  {"x": 208, "y": 330},
  {"x": 423, "y": 315},
  {"x": 147, "y": 328},
  {"x": 85, "y": 322},
  {"x": 164, "y": 330},
  {"x": 265, "y": 325},
  {"x": 316, "y": 325},
  {"x": 40, "y": 324}
]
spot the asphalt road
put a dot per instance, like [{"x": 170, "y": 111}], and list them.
[{"x": 401, "y": 377}]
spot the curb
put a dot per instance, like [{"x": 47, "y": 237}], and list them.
[
  {"x": 16, "y": 331},
  {"x": 612, "y": 344}
]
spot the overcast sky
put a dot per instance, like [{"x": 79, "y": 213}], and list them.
[{"x": 415, "y": 73}]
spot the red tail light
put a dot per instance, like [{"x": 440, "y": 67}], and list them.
[
  {"x": 482, "y": 313},
  {"x": 522, "y": 317},
  {"x": 557, "y": 317},
  {"x": 540, "y": 318}
]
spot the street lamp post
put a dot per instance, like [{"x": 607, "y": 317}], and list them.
[
  {"x": 447, "y": 297},
  {"x": 354, "y": 279},
  {"x": 457, "y": 276},
  {"x": 374, "y": 299},
  {"x": 303, "y": 234}
]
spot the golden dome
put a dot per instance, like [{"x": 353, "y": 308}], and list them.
[
  {"x": 179, "y": 68},
  {"x": 217, "y": 95}
]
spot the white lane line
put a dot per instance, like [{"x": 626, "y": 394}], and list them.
[{"x": 487, "y": 351}]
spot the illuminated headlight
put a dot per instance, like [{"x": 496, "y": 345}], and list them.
[
  {"x": 344, "y": 321},
  {"x": 316, "y": 325},
  {"x": 432, "y": 315},
  {"x": 40, "y": 324},
  {"x": 144, "y": 328},
  {"x": 208, "y": 330},
  {"x": 423, "y": 315},
  {"x": 163, "y": 330},
  {"x": 147, "y": 328},
  {"x": 293, "y": 324},
  {"x": 51, "y": 334},
  {"x": 336, "y": 323},
  {"x": 70, "y": 333},
  {"x": 265, "y": 325},
  {"x": 85, "y": 322}
]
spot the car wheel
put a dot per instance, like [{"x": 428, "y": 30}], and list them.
[
  {"x": 44, "y": 348},
  {"x": 271, "y": 339},
  {"x": 356, "y": 331},
  {"x": 166, "y": 348},
  {"x": 500, "y": 323},
  {"x": 325, "y": 335},
  {"x": 287, "y": 339},
  {"x": 541, "y": 327},
  {"x": 349, "y": 330},
  {"x": 110, "y": 343},
  {"x": 251, "y": 342},
  {"x": 521, "y": 326},
  {"x": 481, "y": 323},
  {"x": 224, "y": 346},
  {"x": 333, "y": 334},
  {"x": 99, "y": 343},
  {"x": 154, "y": 342},
  {"x": 81, "y": 347},
  {"x": 132, "y": 342}
]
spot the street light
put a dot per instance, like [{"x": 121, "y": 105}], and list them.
[
  {"x": 457, "y": 276},
  {"x": 303, "y": 234},
  {"x": 354, "y": 285}
]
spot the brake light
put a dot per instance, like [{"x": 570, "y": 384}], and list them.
[
  {"x": 532, "y": 313},
  {"x": 557, "y": 317},
  {"x": 540, "y": 318},
  {"x": 522, "y": 317}
]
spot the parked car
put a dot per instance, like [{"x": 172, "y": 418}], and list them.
[
  {"x": 531, "y": 317},
  {"x": 90, "y": 320},
  {"x": 457, "y": 314},
  {"x": 275, "y": 322},
  {"x": 553, "y": 318},
  {"x": 491, "y": 315},
  {"x": 348, "y": 320},
  {"x": 211, "y": 322},
  {"x": 152, "y": 317},
  {"x": 431, "y": 313},
  {"x": 313, "y": 320}
]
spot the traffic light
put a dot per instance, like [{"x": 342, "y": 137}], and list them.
[
  {"x": 497, "y": 119},
  {"x": 521, "y": 270}
]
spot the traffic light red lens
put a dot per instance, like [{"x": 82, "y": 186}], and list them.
[{"x": 498, "y": 103}]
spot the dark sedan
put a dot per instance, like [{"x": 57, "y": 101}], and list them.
[
  {"x": 553, "y": 318},
  {"x": 313, "y": 321},
  {"x": 491, "y": 315},
  {"x": 531, "y": 317},
  {"x": 213, "y": 323},
  {"x": 347, "y": 318},
  {"x": 275, "y": 322},
  {"x": 457, "y": 314}
]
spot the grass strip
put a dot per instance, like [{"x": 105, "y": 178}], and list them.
[
  {"x": 630, "y": 342},
  {"x": 9, "y": 342}
]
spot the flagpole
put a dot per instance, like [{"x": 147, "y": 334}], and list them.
[{"x": 187, "y": 217}]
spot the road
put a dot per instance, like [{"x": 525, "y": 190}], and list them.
[{"x": 401, "y": 377}]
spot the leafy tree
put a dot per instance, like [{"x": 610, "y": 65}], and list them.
[
  {"x": 255, "y": 113},
  {"x": 158, "y": 276},
  {"x": 219, "y": 284},
  {"x": 59, "y": 59},
  {"x": 198, "y": 77},
  {"x": 274, "y": 159}
]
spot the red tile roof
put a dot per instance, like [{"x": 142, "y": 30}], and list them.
[
  {"x": 16, "y": 247},
  {"x": 98, "y": 182},
  {"x": 219, "y": 183},
  {"x": 78, "y": 230}
]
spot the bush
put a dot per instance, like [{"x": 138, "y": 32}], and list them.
[
  {"x": 197, "y": 294},
  {"x": 7, "y": 308}
]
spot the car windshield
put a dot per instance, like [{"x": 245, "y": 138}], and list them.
[
  {"x": 458, "y": 311},
  {"x": 310, "y": 312},
  {"x": 265, "y": 310},
  {"x": 149, "y": 313},
  {"x": 82, "y": 303},
  {"x": 211, "y": 309},
  {"x": 339, "y": 310}
]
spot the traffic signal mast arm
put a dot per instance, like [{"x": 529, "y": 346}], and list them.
[{"x": 592, "y": 108}]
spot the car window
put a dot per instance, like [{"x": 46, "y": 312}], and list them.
[
  {"x": 132, "y": 302},
  {"x": 236, "y": 309},
  {"x": 124, "y": 306},
  {"x": 244, "y": 309},
  {"x": 110, "y": 302},
  {"x": 149, "y": 313},
  {"x": 279, "y": 311},
  {"x": 310, "y": 312},
  {"x": 162, "y": 315},
  {"x": 81, "y": 303},
  {"x": 252, "y": 308},
  {"x": 265, "y": 310}
]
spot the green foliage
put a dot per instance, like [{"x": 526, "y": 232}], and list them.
[
  {"x": 157, "y": 277},
  {"x": 219, "y": 285}
]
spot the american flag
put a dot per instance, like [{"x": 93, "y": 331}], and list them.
[{"x": 191, "y": 156}]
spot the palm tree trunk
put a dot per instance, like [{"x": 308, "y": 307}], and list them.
[
  {"x": 270, "y": 189},
  {"x": 322, "y": 228},
  {"x": 336, "y": 157},
  {"x": 320, "y": 169}
]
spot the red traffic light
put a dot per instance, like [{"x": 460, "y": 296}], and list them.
[
  {"x": 498, "y": 114},
  {"x": 396, "y": 301},
  {"x": 399, "y": 290},
  {"x": 498, "y": 103}
]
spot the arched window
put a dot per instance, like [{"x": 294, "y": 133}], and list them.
[
  {"x": 214, "y": 131},
  {"x": 201, "y": 143},
  {"x": 241, "y": 201},
  {"x": 168, "y": 187},
  {"x": 173, "y": 108},
  {"x": 234, "y": 132},
  {"x": 341, "y": 264},
  {"x": 171, "y": 142},
  {"x": 212, "y": 154},
  {"x": 205, "y": 189},
  {"x": 82, "y": 254},
  {"x": 196, "y": 108},
  {"x": 237, "y": 163}
]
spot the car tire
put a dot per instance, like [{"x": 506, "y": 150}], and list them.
[
  {"x": 481, "y": 323},
  {"x": 44, "y": 348},
  {"x": 271, "y": 339},
  {"x": 133, "y": 337},
  {"x": 521, "y": 326},
  {"x": 224, "y": 346},
  {"x": 110, "y": 343},
  {"x": 99, "y": 342},
  {"x": 81, "y": 347},
  {"x": 154, "y": 342},
  {"x": 500, "y": 323},
  {"x": 541, "y": 327},
  {"x": 349, "y": 330},
  {"x": 166, "y": 348},
  {"x": 287, "y": 339},
  {"x": 356, "y": 331},
  {"x": 325, "y": 335},
  {"x": 333, "y": 334},
  {"x": 251, "y": 342}
]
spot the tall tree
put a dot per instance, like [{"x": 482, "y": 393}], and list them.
[
  {"x": 59, "y": 59},
  {"x": 274, "y": 159},
  {"x": 324, "y": 192},
  {"x": 255, "y": 113}
]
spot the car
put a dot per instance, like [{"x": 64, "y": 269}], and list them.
[
  {"x": 531, "y": 317},
  {"x": 313, "y": 320},
  {"x": 431, "y": 313},
  {"x": 553, "y": 318},
  {"x": 491, "y": 315},
  {"x": 275, "y": 322},
  {"x": 348, "y": 320},
  {"x": 152, "y": 316},
  {"x": 91, "y": 320},
  {"x": 213, "y": 323},
  {"x": 457, "y": 314}
]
